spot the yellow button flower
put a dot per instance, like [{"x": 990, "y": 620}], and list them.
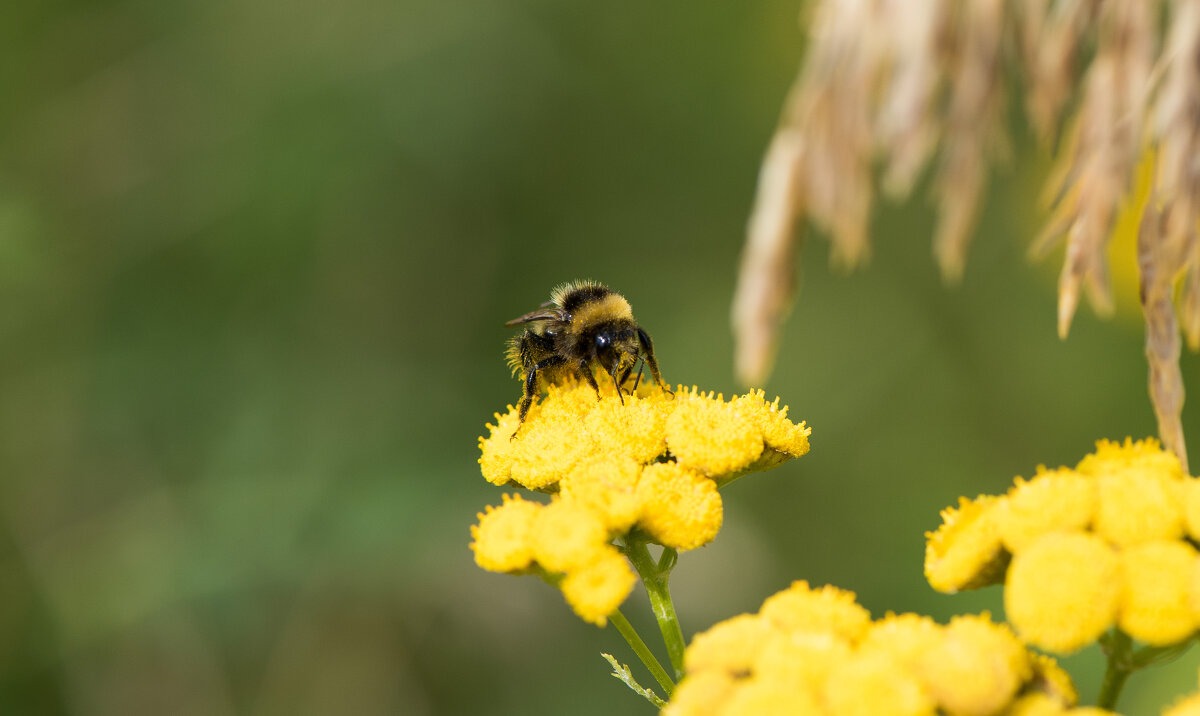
[
  {"x": 755, "y": 697},
  {"x": 680, "y": 508},
  {"x": 1063, "y": 590},
  {"x": 1113, "y": 457},
  {"x": 566, "y": 535},
  {"x": 503, "y": 537},
  {"x": 698, "y": 429},
  {"x": 1088, "y": 548},
  {"x": 651, "y": 462},
  {"x": 609, "y": 489},
  {"x": 977, "y": 668},
  {"x": 817, "y": 647},
  {"x": 1053, "y": 500},
  {"x": 712, "y": 436},
  {"x": 598, "y": 588},
  {"x": 804, "y": 658},
  {"x": 730, "y": 646},
  {"x": 828, "y": 609},
  {"x": 966, "y": 551},
  {"x": 875, "y": 685},
  {"x": 1156, "y": 580},
  {"x": 1137, "y": 506},
  {"x": 907, "y": 637},
  {"x": 700, "y": 693}
]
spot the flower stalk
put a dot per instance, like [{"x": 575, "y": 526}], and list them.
[
  {"x": 643, "y": 652},
  {"x": 1118, "y": 649},
  {"x": 655, "y": 576}
]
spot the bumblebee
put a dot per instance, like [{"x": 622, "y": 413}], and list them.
[{"x": 584, "y": 326}]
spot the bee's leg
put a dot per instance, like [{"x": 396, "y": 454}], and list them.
[
  {"x": 585, "y": 367},
  {"x": 641, "y": 366},
  {"x": 648, "y": 349},
  {"x": 531, "y": 384},
  {"x": 617, "y": 386}
]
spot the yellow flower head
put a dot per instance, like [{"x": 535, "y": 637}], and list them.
[
  {"x": 977, "y": 668},
  {"x": 566, "y": 535},
  {"x": 503, "y": 541},
  {"x": 1156, "y": 579},
  {"x": 965, "y": 552},
  {"x": 570, "y": 426},
  {"x": 679, "y": 507},
  {"x": 1063, "y": 590},
  {"x": 1087, "y": 548},
  {"x": 651, "y": 461},
  {"x": 597, "y": 588},
  {"x": 1053, "y": 500},
  {"x": 828, "y": 609},
  {"x": 817, "y": 651}
]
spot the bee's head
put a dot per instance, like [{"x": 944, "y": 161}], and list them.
[{"x": 616, "y": 346}]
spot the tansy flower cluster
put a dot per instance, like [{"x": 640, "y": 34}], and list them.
[
  {"x": 651, "y": 461},
  {"x": 817, "y": 651},
  {"x": 1110, "y": 542}
]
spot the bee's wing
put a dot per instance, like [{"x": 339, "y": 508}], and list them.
[{"x": 542, "y": 314}]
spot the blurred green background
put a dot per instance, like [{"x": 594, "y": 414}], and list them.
[{"x": 255, "y": 258}]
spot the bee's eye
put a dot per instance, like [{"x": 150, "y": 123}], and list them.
[{"x": 601, "y": 340}]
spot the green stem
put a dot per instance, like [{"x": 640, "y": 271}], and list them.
[
  {"x": 655, "y": 578},
  {"x": 1118, "y": 648},
  {"x": 643, "y": 652}
]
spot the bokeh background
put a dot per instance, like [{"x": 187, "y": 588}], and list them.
[{"x": 255, "y": 258}]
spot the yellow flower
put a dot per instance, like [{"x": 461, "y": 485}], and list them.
[
  {"x": 779, "y": 433},
  {"x": 875, "y": 685},
  {"x": 1156, "y": 577},
  {"x": 817, "y": 651},
  {"x": 977, "y": 668},
  {"x": 803, "y": 658},
  {"x": 1053, "y": 500},
  {"x": 1113, "y": 458},
  {"x": 609, "y": 489},
  {"x": 755, "y": 697},
  {"x": 598, "y": 588},
  {"x": 729, "y": 646},
  {"x": 650, "y": 461},
  {"x": 503, "y": 540},
  {"x": 1087, "y": 548},
  {"x": 1139, "y": 505},
  {"x": 1037, "y": 704},
  {"x": 828, "y": 609},
  {"x": 570, "y": 427},
  {"x": 907, "y": 637},
  {"x": 680, "y": 508},
  {"x": 1063, "y": 590},
  {"x": 966, "y": 551},
  {"x": 712, "y": 436},
  {"x": 1050, "y": 679},
  {"x": 566, "y": 535},
  {"x": 699, "y": 692}
]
